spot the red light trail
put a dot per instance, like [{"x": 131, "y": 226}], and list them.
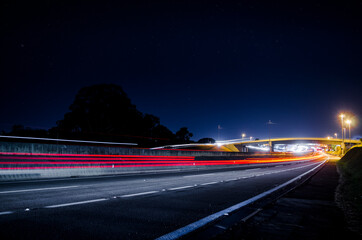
[{"x": 13, "y": 161}]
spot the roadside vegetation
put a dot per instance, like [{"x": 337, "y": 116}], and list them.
[
  {"x": 349, "y": 192},
  {"x": 104, "y": 112}
]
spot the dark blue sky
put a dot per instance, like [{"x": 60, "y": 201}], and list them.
[{"x": 198, "y": 64}]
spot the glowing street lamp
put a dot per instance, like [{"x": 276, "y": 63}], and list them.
[
  {"x": 328, "y": 137},
  {"x": 349, "y": 127},
  {"x": 243, "y": 135},
  {"x": 251, "y": 138},
  {"x": 336, "y": 135}
]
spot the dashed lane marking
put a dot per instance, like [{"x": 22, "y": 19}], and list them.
[
  {"x": 209, "y": 183},
  {"x": 138, "y": 194},
  {"x": 178, "y": 188},
  {"x": 76, "y": 203}
]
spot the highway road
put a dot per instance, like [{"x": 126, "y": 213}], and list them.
[{"x": 143, "y": 206}]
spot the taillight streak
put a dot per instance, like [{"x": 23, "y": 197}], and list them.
[
  {"x": 90, "y": 155},
  {"x": 118, "y": 161}
]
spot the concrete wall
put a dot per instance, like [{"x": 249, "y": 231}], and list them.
[
  {"x": 89, "y": 170},
  {"x": 27, "y": 174},
  {"x": 20, "y": 167},
  {"x": 23, "y": 147}
]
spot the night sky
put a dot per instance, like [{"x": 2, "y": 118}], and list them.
[{"x": 197, "y": 64}]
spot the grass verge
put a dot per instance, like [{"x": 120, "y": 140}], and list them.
[{"x": 349, "y": 192}]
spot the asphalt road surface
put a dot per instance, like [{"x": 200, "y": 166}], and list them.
[{"x": 130, "y": 207}]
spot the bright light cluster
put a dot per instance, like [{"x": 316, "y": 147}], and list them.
[{"x": 295, "y": 148}]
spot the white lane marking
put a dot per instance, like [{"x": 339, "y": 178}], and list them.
[
  {"x": 209, "y": 183},
  {"x": 177, "y": 188},
  {"x": 37, "y": 189},
  {"x": 200, "y": 175},
  {"x": 202, "y": 222},
  {"x": 138, "y": 194},
  {"x": 5, "y": 213},
  {"x": 229, "y": 180},
  {"x": 76, "y": 203}
]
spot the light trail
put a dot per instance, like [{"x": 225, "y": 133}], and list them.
[
  {"x": 89, "y": 155},
  {"x": 59, "y": 161},
  {"x": 129, "y": 195}
]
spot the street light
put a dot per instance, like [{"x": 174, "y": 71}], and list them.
[
  {"x": 218, "y": 132},
  {"x": 242, "y": 136},
  {"x": 336, "y": 135},
  {"x": 270, "y": 145},
  {"x": 349, "y": 127},
  {"x": 251, "y": 138},
  {"x": 342, "y": 116}
]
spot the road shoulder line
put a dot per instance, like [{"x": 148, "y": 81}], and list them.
[{"x": 204, "y": 221}]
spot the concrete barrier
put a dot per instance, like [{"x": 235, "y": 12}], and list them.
[
  {"x": 26, "y": 160},
  {"x": 24, "y": 147}
]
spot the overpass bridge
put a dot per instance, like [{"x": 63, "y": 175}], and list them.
[{"x": 277, "y": 144}]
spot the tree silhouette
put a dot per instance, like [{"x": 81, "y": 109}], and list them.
[
  {"x": 20, "y": 130},
  {"x": 206, "y": 140},
  {"x": 104, "y": 112},
  {"x": 101, "y": 108},
  {"x": 183, "y": 135}
]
